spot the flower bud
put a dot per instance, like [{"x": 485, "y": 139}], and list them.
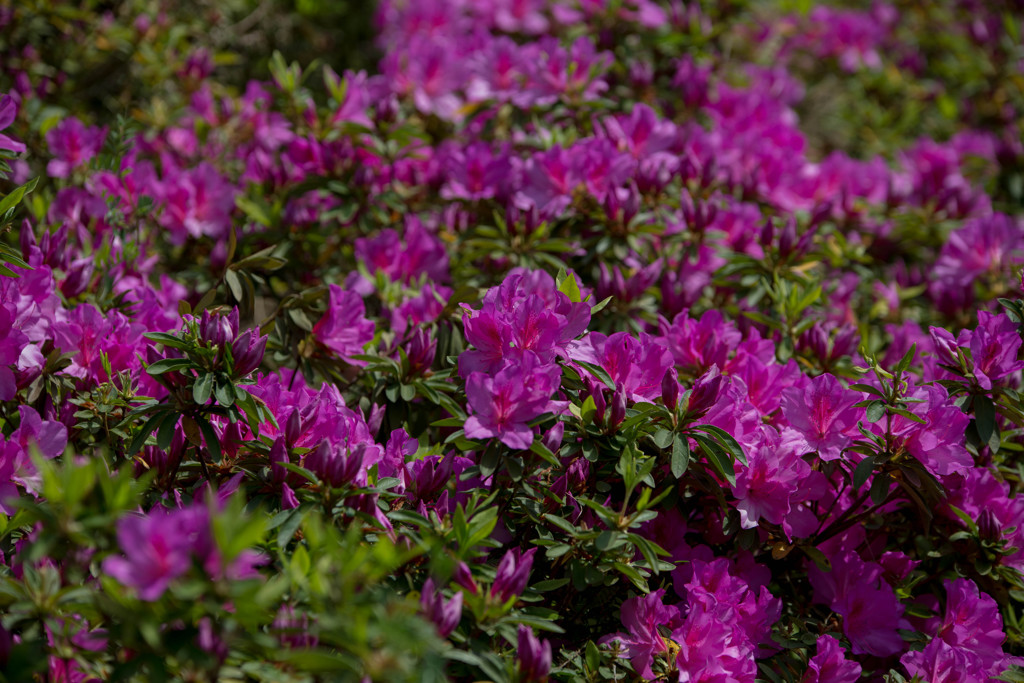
[
  {"x": 534, "y": 656},
  {"x": 292, "y": 428},
  {"x": 670, "y": 390},
  {"x": 513, "y": 574},
  {"x": 334, "y": 467},
  {"x": 617, "y": 413},
  {"x": 464, "y": 577},
  {"x": 247, "y": 352},
  {"x": 420, "y": 349},
  {"x": 705, "y": 392},
  {"x": 444, "y": 613},
  {"x": 988, "y": 527}
]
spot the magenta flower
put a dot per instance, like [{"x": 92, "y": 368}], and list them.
[
  {"x": 163, "y": 545},
  {"x": 445, "y": 614},
  {"x": 940, "y": 662},
  {"x": 525, "y": 314},
  {"x": 994, "y": 345},
  {"x": 696, "y": 345},
  {"x": 823, "y": 413},
  {"x": 503, "y": 404},
  {"x": 830, "y": 664},
  {"x": 73, "y": 145},
  {"x": 712, "y": 649},
  {"x": 643, "y": 616},
  {"x": 513, "y": 574},
  {"x": 16, "y": 468},
  {"x": 8, "y": 110},
  {"x": 637, "y": 365},
  {"x": 344, "y": 328},
  {"x": 534, "y": 656},
  {"x": 197, "y": 202},
  {"x": 158, "y": 548},
  {"x": 855, "y": 590}
]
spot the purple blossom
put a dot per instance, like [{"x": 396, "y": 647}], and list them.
[
  {"x": 73, "y": 145},
  {"x": 8, "y": 111},
  {"x": 16, "y": 469},
  {"x": 534, "y": 656},
  {"x": 855, "y": 590},
  {"x": 822, "y": 412},
  {"x": 637, "y": 365},
  {"x": 503, "y": 404},
  {"x": 830, "y": 664},
  {"x": 512, "y": 575},
  {"x": 344, "y": 328},
  {"x": 445, "y": 614},
  {"x": 643, "y": 616}
]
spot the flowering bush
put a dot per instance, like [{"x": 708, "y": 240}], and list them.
[{"x": 581, "y": 340}]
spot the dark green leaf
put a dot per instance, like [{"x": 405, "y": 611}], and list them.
[{"x": 680, "y": 455}]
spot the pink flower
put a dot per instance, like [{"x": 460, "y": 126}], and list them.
[
  {"x": 830, "y": 664},
  {"x": 823, "y": 413},
  {"x": 445, "y": 614},
  {"x": 533, "y": 654},
  {"x": 8, "y": 110},
  {"x": 643, "y": 616},
  {"x": 16, "y": 468},
  {"x": 855, "y": 590},
  {"x": 503, "y": 404},
  {"x": 73, "y": 145},
  {"x": 637, "y": 365},
  {"x": 344, "y": 328}
]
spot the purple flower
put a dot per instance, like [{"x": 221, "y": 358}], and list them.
[
  {"x": 158, "y": 549},
  {"x": 163, "y": 545},
  {"x": 534, "y": 656},
  {"x": 344, "y": 328},
  {"x": 16, "y": 468},
  {"x": 696, "y": 345},
  {"x": 824, "y": 415},
  {"x": 197, "y": 202},
  {"x": 855, "y": 590},
  {"x": 637, "y": 365},
  {"x": 503, "y": 404},
  {"x": 994, "y": 345},
  {"x": 512, "y": 575},
  {"x": 8, "y": 110},
  {"x": 444, "y": 613},
  {"x": 940, "y": 662},
  {"x": 643, "y": 616},
  {"x": 830, "y": 664},
  {"x": 335, "y": 465},
  {"x": 73, "y": 145}
]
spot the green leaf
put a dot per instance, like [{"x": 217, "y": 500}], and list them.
[
  {"x": 680, "y": 455},
  {"x": 863, "y": 471},
  {"x": 166, "y": 433},
  {"x": 598, "y": 372},
  {"x": 140, "y": 439},
  {"x": 875, "y": 411},
  {"x": 544, "y": 452},
  {"x": 210, "y": 437},
  {"x": 907, "y": 359},
  {"x": 202, "y": 389},
  {"x": 224, "y": 391},
  {"x": 663, "y": 438},
  {"x": 731, "y": 446},
  {"x": 570, "y": 288},
  {"x": 984, "y": 417},
  {"x": 167, "y": 365},
  {"x": 11, "y": 200},
  {"x": 717, "y": 458}
]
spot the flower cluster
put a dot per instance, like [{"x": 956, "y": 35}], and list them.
[{"x": 579, "y": 341}]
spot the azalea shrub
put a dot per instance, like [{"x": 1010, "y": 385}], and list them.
[{"x": 547, "y": 340}]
